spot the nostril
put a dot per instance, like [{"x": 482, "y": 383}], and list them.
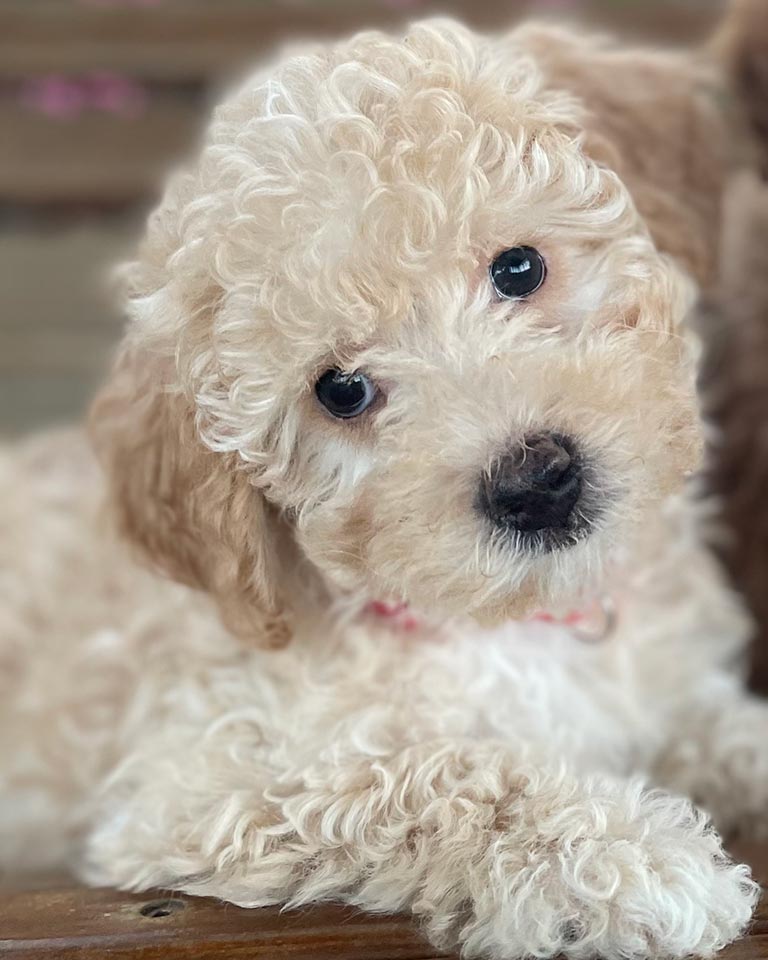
[{"x": 544, "y": 461}]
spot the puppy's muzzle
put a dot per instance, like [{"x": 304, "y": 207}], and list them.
[{"x": 535, "y": 488}]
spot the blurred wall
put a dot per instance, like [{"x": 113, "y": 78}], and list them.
[{"x": 99, "y": 97}]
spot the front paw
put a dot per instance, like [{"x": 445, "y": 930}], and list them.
[{"x": 608, "y": 870}]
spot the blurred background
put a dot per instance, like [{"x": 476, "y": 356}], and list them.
[{"x": 98, "y": 98}]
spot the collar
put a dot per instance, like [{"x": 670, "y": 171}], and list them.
[
  {"x": 593, "y": 623},
  {"x": 396, "y": 615}
]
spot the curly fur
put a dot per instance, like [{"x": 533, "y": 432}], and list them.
[{"x": 251, "y": 732}]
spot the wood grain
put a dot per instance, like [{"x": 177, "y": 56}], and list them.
[
  {"x": 66, "y": 923},
  {"x": 91, "y": 924}
]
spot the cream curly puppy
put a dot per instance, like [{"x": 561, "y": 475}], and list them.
[{"x": 406, "y": 392}]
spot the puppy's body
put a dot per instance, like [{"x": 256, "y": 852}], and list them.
[
  {"x": 488, "y": 779},
  {"x": 391, "y": 767}
]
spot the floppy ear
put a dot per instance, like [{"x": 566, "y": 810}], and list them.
[
  {"x": 193, "y": 513},
  {"x": 656, "y": 119}
]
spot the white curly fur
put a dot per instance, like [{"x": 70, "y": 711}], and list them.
[{"x": 493, "y": 780}]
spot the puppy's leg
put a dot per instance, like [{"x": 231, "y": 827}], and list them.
[
  {"x": 718, "y": 755},
  {"x": 489, "y": 852}
]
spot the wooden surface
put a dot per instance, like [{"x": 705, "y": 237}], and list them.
[
  {"x": 180, "y": 53},
  {"x": 98, "y": 158},
  {"x": 184, "y": 39},
  {"x": 59, "y": 321},
  {"x": 89, "y": 924}
]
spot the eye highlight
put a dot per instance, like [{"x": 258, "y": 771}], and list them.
[
  {"x": 345, "y": 395},
  {"x": 518, "y": 272}
]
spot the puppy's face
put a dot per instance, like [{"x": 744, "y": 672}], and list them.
[{"x": 428, "y": 328}]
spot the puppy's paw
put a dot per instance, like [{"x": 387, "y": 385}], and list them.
[{"x": 613, "y": 871}]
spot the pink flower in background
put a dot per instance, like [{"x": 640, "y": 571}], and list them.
[
  {"x": 114, "y": 93},
  {"x": 56, "y": 96},
  {"x": 65, "y": 97}
]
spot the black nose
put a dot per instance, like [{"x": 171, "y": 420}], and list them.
[{"x": 535, "y": 487}]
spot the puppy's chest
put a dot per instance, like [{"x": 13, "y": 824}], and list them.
[
  {"x": 556, "y": 693},
  {"x": 535, "y": 686}
]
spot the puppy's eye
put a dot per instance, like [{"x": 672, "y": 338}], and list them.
[
  {"x": 518, "y": 272},
  {"x": 345, "y": 395}
]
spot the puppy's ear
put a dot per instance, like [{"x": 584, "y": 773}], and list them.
[
  {"x": 655, "y": 118},
  {"x": 193, "y": 513}
]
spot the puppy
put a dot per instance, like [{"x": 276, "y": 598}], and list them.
[{"x": 406, "y": 408}]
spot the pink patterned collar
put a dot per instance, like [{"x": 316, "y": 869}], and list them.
[{"x": 592, "y": 623}]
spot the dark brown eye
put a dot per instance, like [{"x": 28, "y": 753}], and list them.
[
  {"x": 345, "y": 395},
  {"x": 518, "y": 272}
]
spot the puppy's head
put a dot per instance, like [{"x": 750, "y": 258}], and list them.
[{"x": 399, "y": 332}]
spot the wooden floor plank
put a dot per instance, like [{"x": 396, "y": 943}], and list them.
[
  {"x": 74, "y": 923},
  {"x": 88, "y": 924}
]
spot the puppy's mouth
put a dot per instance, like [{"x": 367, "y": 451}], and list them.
[{"x": 537, "y": 493}]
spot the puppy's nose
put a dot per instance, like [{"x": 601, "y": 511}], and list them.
[{"x": 535, "y": 487}]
